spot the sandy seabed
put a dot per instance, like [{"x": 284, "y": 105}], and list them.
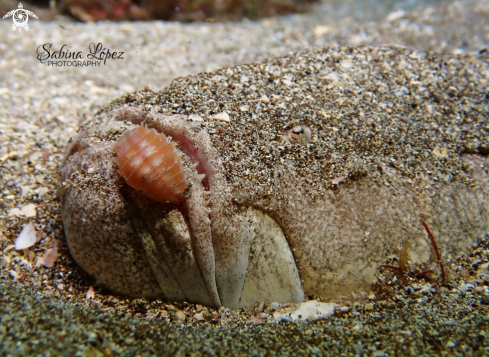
[{"x": 45, "y": 310}]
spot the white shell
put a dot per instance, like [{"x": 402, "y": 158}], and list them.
[{"x": 27, "y": 237}]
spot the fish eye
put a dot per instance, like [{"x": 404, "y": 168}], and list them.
[{"x": 300, "y": 134}]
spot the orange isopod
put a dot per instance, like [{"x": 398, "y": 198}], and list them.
[{"x": 151, "y": 164}]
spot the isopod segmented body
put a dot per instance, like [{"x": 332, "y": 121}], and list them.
[{"x": 151, "y": 164}]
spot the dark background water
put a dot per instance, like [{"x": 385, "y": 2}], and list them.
[{"x": 355, "y": 11}]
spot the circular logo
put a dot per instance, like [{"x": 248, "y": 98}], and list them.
[{"x": 20, "y": 17}]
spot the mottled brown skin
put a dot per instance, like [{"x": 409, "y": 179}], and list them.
[
  {"x": 236, "y": 241},
  {"x": 328, "y": 235},
  {"x": 103, "y": 202},
  {"x": 105, "y": 222}
]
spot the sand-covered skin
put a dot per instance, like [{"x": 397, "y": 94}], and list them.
[
  {"x": 406, "y": 145},
  {"x": 41, "y": 107}
]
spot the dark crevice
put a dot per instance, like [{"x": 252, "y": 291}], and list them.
[{"x": 189, "y": 148}]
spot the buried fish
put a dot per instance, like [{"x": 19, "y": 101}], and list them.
[{"x": 339, "y": 155}]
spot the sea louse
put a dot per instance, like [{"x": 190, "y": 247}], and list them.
[{"x": 151, "y": 164}]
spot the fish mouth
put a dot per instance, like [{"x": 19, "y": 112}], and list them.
[
  {"x": 189, "y": 148},
  {"x": 196, "y": 210},
  {"x": 165, "y": 229},
  {"x": 222, "y": 232},
  {"x": 197, "y": 251}
]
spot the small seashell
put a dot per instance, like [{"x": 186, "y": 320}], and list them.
[
  {"x": 8, "y": 249},
  {"x": 440, "y": 152},
  {"x": 27, "y": 238},
  {"x": 151, "y": 164},
  {"x": 311, "y": 310},
  {"x": 396, "y": 15},
  {"x": 14, "y": 212},
  {"x": 325, "y": 115},
  {"x": 41, "y": 191},
  {"x": 300, "y": 134},
  {"x": 265, "y": 99},
  {"x": 199, "y": 317},
  {"x": 244, "y": 108},
  {"x": 49, "y": 258},
  {"x": 29, "y": 210},
  {"x": 333, "y": 76},
  {"x": 274, "y": 306},
  {"x": 322, "y": 30},
  {"x": 222, "y": 117},
  {"x": 346, "y": 64},
  {"x": 337, "y": 180},
  {"x": 90, "y": 293},
  {"x": 13, "y": 155},
  {"x": 195, "y": 117},
  {"x": 180, "y": 315}
]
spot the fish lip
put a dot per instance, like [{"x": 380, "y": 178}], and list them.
[
  {"x": 198, "y": 209},
  {"x": 193, "y": 142},
  {"x": 189, "y": 148}
]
